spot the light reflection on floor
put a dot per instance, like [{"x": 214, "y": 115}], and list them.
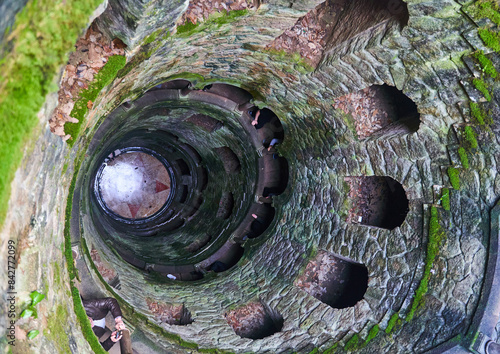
[{"x": 134, "y": 185}]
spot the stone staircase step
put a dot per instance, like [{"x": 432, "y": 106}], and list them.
[
  {"x": 452, "y": 137},
  {"x": 472, "y": 37},
  {"x": 474, "y": 94},
  {"x": 471, "y": 64},
  {"x": 464, "y": 109},
  {"x": 444, "y": 173},
  {"x": 426, "y": 213},
  {"x": 437, "y": 191},
  {"x": 453, "y": 154}
]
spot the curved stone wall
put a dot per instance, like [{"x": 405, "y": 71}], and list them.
[{"x": 425, "y": 275}]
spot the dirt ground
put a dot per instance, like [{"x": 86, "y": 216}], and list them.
[
  {"x": 170, "y": 314},
  {"x": 333, "y": 22},
  {"x": 246, "y": 319},
  {"x": 309, "y": 35},
  {"x": 370, "y": 109},
  {"x": 91, "y": 53},
  {"x": 317, "y": 273},
  {"x": 200, "y": 10}
]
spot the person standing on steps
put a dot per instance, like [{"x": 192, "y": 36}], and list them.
[
  {"x": 96, "y": 310},
  {"x": 261, "y": 117},
  {"x": 273, "y": 130}
]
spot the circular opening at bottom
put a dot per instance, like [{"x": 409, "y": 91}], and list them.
[{"x": 133, "y": 184}]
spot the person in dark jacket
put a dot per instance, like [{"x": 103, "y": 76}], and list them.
[
  {"x": 96, "y": 310},
  {"x": 262, "y": 117}
]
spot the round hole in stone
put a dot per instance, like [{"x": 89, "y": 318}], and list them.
[
  {"x": 226, "y": 205},
  {"x": 134, "y": 184},
  {"x": 169, "y": 313},
  {"x": 336, "y": 281},
  {"x": 405, "y": 111},
  {"x": 230, "y": 255},
  {"x": 254, "y": 320},
  {"x": 378, "y": 201},
  {"x": 229, "y": 159},
  {"x": 183, "y": 167},
  {"x": 385, "y": 112}
]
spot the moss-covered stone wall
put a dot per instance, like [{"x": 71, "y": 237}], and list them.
[{"x": 425, "y": 277}]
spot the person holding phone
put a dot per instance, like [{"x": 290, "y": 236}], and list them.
[{"x": 96, "y": 310}]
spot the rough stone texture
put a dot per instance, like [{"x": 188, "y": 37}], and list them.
[
  {"x": 422, "y": 60},
  {"x": 35, "y": 222},
  {"x": 132, "y": 21},
  {"x": 91, "y": 54},
  {"x": 107, "y": 273},
  {"x": 334, "y": 281},
  {"x": 251, "y": 321},
  {"x": 171, "y": 314}
]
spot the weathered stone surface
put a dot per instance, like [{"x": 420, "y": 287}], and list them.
[{"x": 322, "y": 150}]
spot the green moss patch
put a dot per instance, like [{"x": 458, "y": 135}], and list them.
[
  {"x": 214, "y": 20},
  {"x": 478, "y": 113},
  {"x": 463, "y": 157},
  {"x": 488, "y": 9},
  {"x": 102, "y": 79},
  {"x": 44, "y": 32},
  {"x": 186, "y": 27},
  {"x": 332, "y": 349},
  {"x": 445, "y": 198},
  {"x": 393, "y": 321},
  {"x": 470, "y": 137},
  {"x": 56, "y": 329},
  {"x": 152, "y": 37},
  {"x": 372, "y": 333},
  {"x": 436, "y": 235},
  {"x": 65, "y": 168},
  {"x": 482, "y": 87},
  {"x": 352, "y": 343},
  {"x": 355, "y": 342},
  {"x": 486, "y": 64},
  {"x": 490, "y": 38},
  {"x": 454, "y": 176},
  {"x": 301, "y": 65},
  {"x": 134, "y": 61}
]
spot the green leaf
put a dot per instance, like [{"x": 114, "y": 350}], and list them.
[
  {"x": 26, "y": 313},
  {"x": 32, "y": 334},
  {"x": 36, "y": 297},
  {"x": 29, "y": 312}
]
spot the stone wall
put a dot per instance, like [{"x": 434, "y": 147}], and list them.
[
  {"x": 424, "y": 60},
  {"x": 35, "y": 222}
]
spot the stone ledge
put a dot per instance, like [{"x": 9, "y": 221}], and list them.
[{"x": 488, "y": 311}]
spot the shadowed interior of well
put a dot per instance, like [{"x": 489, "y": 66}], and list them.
[{"x": 251, "y": 176}]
